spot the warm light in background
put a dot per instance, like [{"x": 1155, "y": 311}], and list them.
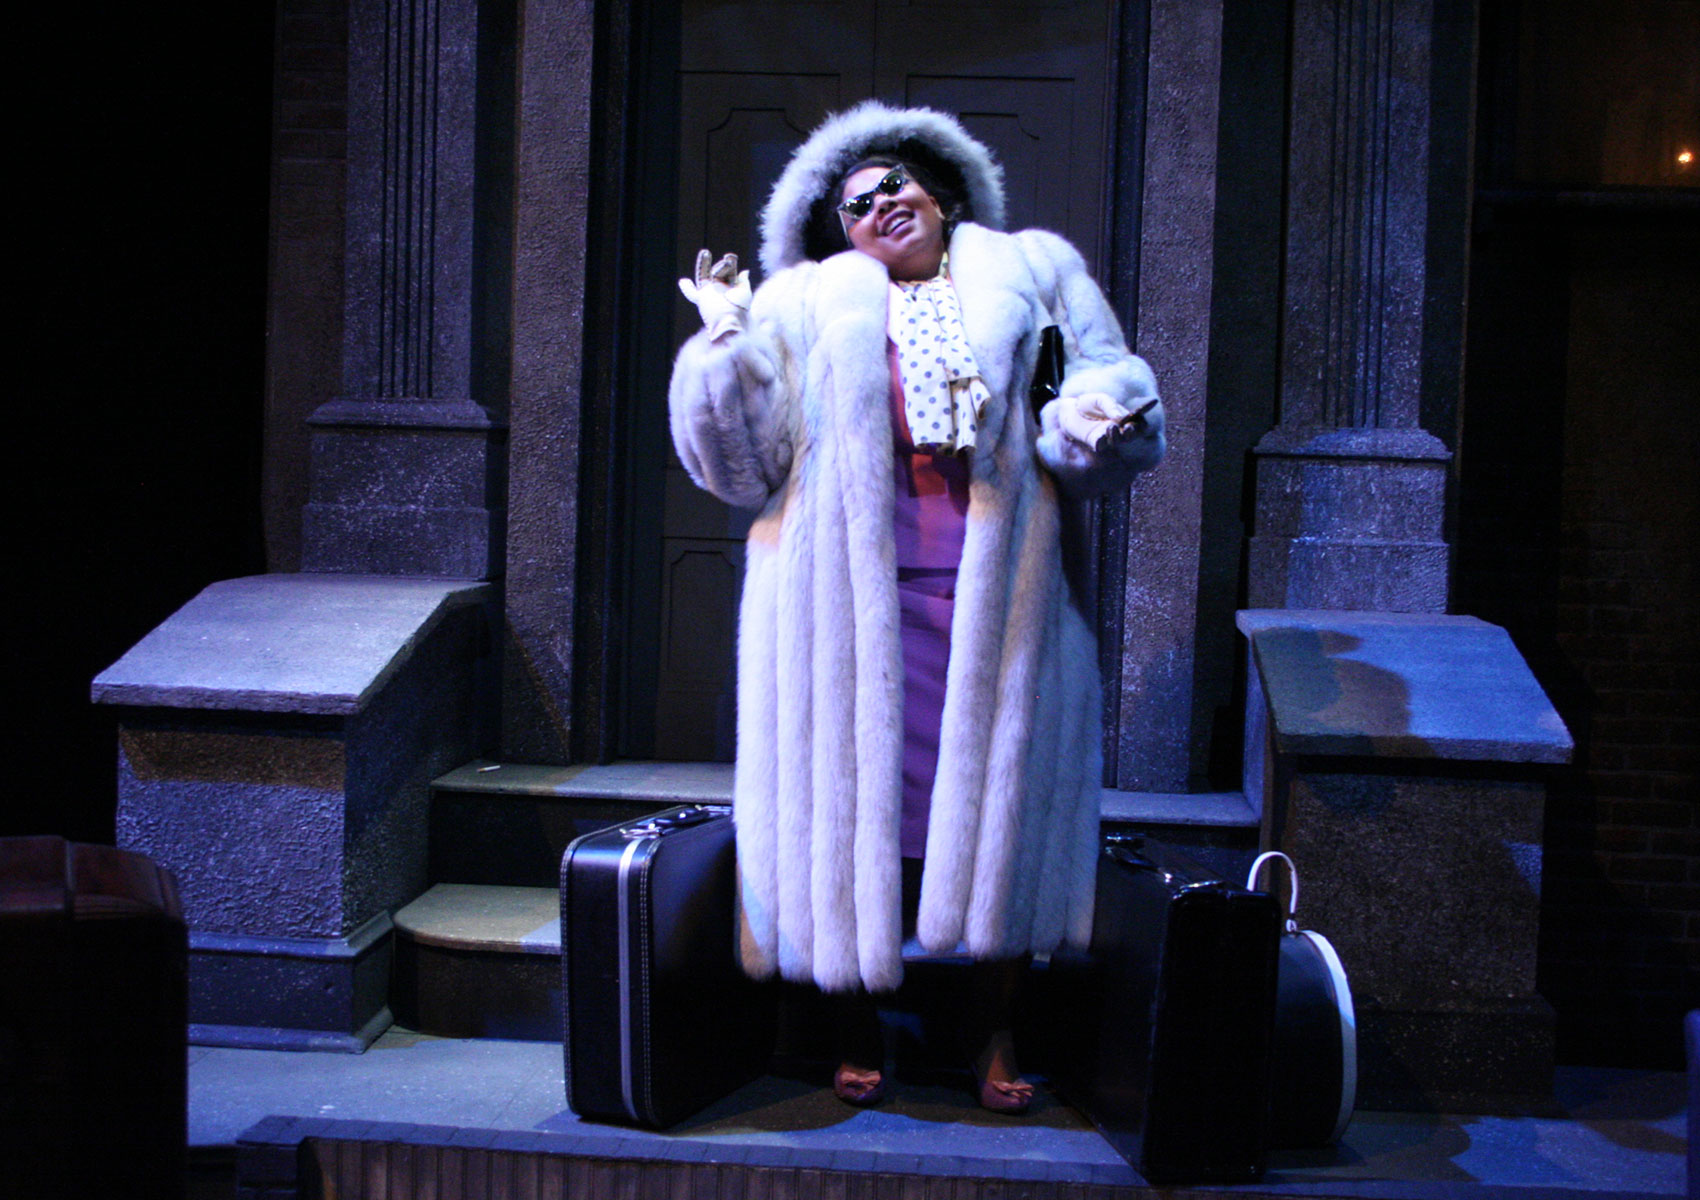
[{"x": 1684, "y": 158}]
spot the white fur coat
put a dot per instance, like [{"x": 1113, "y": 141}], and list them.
[{"x": 792, "y": 416}]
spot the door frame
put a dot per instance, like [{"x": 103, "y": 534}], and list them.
[{"x": 627, "y": 321}]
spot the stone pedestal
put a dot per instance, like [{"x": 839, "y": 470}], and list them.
[
  {"x": 409, "y": 462},
  {"x": 277, "y": 736},
  {"x": 405, "y": 488},
  {"x": 1398, "y": 759},
  {"x": 1351, "y": 489},
  {"x": 1349, "y": 518}
]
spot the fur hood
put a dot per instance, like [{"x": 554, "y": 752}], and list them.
[{"x": 798, "y": 214}]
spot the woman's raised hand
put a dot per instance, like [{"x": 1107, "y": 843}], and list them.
[{"x": 721, "y": 293}]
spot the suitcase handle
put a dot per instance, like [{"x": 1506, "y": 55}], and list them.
[
  {"x": 1292, "y": 879},
  {"x": 678, "y": 818},
  {"x": 1125, "y": 849}
]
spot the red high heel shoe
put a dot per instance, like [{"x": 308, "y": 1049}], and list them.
[
  {"x": 1012, "y": 1097},
  {"x": 858, "y": 1086},
  {"x": 861, "y": 1039}
]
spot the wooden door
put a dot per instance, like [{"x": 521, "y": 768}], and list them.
[{"x": 1031, "y": 80}]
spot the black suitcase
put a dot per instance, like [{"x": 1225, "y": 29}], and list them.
[
  {"x": 1174, "y": 1058},
  {"x": 660, "y": 1019}
]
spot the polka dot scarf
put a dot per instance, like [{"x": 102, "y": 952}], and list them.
[{"x": 943, "y": 394}]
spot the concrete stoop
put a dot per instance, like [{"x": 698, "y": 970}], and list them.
[
  {"x": 417, "y": 1116},
  {"x": 288, "y": 1157},
  {"x": 923, "y": 1151}
]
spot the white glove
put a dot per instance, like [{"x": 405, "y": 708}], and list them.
[
  {"x": 721, "y": 294},
  {"x": 1099, "y": 420}
]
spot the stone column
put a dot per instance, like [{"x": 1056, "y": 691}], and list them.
[
  {"x": 1350, "y": 489},
  {"x": 555, "y": 176},
  {"x": 1152, "y": 700},
  {"x": 407, "y": 462}
]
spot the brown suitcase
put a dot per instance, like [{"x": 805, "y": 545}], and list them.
[{"x": 93, "y": 1021}]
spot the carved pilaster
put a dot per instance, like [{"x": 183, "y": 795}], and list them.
[
  {"x": 406, "y": 475},
  {"x": 1350, "y": 490}
]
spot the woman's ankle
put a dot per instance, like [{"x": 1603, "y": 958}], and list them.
[
  {"x": 860, "y": 1036},
  {"x": 996, "y": 1058}
]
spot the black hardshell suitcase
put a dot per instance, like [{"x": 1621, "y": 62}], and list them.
[
  {"x": 1174, "y": 1061},
  {"x": 660, "y": 1018}
]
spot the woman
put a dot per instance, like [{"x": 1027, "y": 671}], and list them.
[{"x": 915, "y": 680}]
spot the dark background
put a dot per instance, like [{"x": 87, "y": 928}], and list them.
[{"x": 136, "y": 473}]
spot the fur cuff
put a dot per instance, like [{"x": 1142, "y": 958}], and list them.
[{"x": 1128, "y": 380}]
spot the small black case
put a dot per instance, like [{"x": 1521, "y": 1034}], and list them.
[
  {"x": 1315, "y": 1059},
  {"x": 660, "y": 1018}
]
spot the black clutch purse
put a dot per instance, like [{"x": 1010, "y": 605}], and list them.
[{"x": 1048, "y": 372}]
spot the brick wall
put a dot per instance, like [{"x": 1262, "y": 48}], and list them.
[
  {"x": 304, "y": 300},
  {"x": 1579, "y": 523}
]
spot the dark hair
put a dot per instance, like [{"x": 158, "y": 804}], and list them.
[{"x": 938, "y": 176}]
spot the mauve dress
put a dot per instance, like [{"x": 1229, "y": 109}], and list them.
[{"x": 928, "y": 519}]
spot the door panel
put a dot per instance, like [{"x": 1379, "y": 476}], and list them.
[
  {"x": 695, "y": 713},
  {"x": 1028, "y": 123},
  {"x": 1030, "y": 80},
  {"x": 737, "y": 130}
]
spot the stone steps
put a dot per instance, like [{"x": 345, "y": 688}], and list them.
[
  {"x": 478, "y": 955},
  {"x": 479, "y": 961},
  {"x": 504, "y": 823}
]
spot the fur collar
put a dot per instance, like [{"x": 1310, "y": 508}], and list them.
[{"x": 847, "y": 137}]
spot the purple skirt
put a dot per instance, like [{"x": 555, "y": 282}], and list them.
[{"x": 925, "y": 598}]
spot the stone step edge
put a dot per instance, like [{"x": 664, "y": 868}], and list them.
[
  {"x": 484, "y": 918},
  {"x": 279, "y": 1151},
  {"x": 711, "y": 783},
  {"x": 520, "y": 920}
]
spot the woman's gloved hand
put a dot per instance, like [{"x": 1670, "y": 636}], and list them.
[
  {"x": 1094, "y": 444},
  {"x": 1098, "y": 420},
  {"x": 721, "y": 293}
]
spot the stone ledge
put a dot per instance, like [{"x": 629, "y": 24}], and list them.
[
  {"x": 390, "y": 413},
  {"x": 1400, "y": 685},
  {"x": 356, "y": 944},
  {"x": 310, "y": 643},
  {"x": 484, "y": 917},
  {"x": 1222, "y": 810},
  {"x": 660, "y": 782}
]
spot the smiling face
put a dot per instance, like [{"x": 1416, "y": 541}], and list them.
[{"x": 904, "y": 231}]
